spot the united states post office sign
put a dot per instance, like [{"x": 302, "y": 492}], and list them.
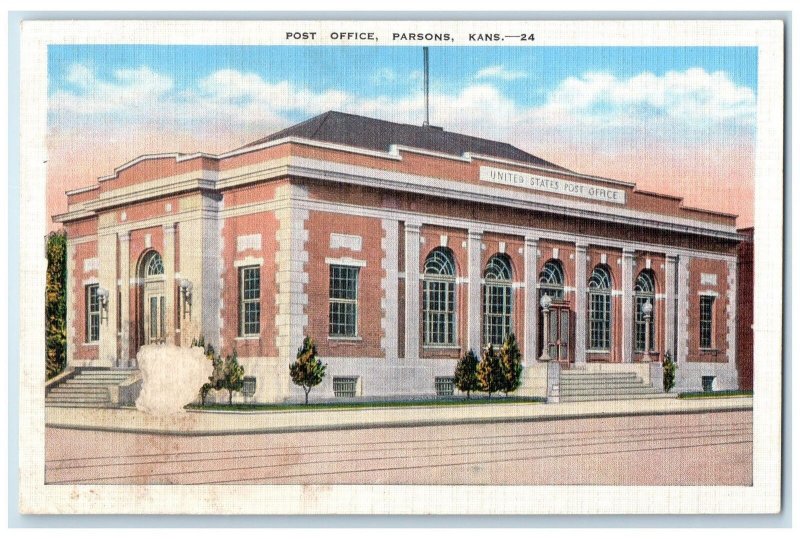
[{"x": 552, "y": 185}]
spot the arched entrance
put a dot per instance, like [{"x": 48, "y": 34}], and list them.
[{"x": 153, "y": 308}]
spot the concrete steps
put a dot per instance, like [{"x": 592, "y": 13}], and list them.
[
  {"x": 89, "y": 388},
  {"x": 580, "y": 385}
]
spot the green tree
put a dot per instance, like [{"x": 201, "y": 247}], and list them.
[
  {"x": 669, "y": 368},
  {"x": 233, "y": 377},
  {"x": 56, "y": 304},
  {"x": 511, "y": 364},
  {"x": 307, "y": 371},
  {"x": 217, "y": 379},
  {"x": 465, "y": 377},
  {"x": 490, "y": 372}
]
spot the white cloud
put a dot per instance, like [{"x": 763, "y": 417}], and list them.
[
  {"x": 385, "y": 75},
  {"x": 499, "y": 72}
]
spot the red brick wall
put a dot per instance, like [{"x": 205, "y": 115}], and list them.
[
  {"x": 744, "y": 305},
  {"x": 320, "y": 226},
  {"x": 81, "y": 349},
  {"x": 719, "y": 350}
]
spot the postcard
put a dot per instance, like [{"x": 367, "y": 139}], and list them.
[{"x": 401, "y": 267}]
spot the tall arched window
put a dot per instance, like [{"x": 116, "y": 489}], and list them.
[
  {"x": 643, "y": 292},
  {"x": 551, "y": 280},
  {"x": 600, "y": 309},
  {"x": 439, "y": 298},
  {"x": 497, "y": 300}
]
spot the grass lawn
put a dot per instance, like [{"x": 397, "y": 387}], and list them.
[
  {"x": 715, "y": 394},
  {"x": 344, "y": 405}
]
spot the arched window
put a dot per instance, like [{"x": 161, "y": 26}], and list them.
[
  {"x": 644, "y": 291},
  {"x": 600, "y": 309},
  {"x": 497, "y": 301},
  {"x": 439, "y": 298},
  {"x": 153, "y": 265},
  {"x": 551, "y": 280}
]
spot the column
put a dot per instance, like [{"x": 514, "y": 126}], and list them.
[
  {"x": 580, "y": 303},
  {"x": 72, "y": 304},
  {"x": 413, "y": 312},
  {"x": 107, "y": 254},
  {"x": 531, "y": 299},
  {"x": 169, "y": 281},
  {"x": 389, "y": 262},
  {"x": 125, "y": 298},
  {"x": 474, "y": 322},
  {"x": 670, "y": 287},
  {"x": 627, "y": 305},
  {"x": 682, "y": 316}
]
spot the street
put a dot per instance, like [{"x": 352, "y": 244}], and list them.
[{"x": 679, "y": 449}]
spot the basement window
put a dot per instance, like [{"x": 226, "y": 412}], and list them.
[
  {"x": 344, "y": 387},
  {"x": 444, "y": 386}
]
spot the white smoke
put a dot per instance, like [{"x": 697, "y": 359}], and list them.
[{"x": 171, "y": 377}]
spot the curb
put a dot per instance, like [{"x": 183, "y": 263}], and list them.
[{"x": 395, "y": 424}]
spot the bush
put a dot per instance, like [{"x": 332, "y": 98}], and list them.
[
  {"x": 217, "y": 379},
  {"x": 465, "y": 377},
  {"x": 307, "y": 371},
  {"x": 56, "y": 304},
  {"x": 490, "y": 372},
  {"x": 669, "y": 372},
  {"x": 511, "y": 364},
  {"x": 233, "y": 377}
]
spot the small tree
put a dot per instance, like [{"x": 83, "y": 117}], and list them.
[
  {"x": 465, "y": 377},
  {"x": 669, "y": 368},
  {"x": 490, "y": 372},
  {"x": 56, "y": 304},
  {"x": 307, "y": 371},
  {"x": 233, "y": 378},
  {"x": 511, "y": 364},
  {"x": 217, "y": 379}
]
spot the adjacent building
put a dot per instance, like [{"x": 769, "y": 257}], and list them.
[{"x": 396, "y": 247}]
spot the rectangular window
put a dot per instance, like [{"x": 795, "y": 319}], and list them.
[
  {"x": 343, "y": 313},
  {"x": 706, "y": 321},
  {"x": 92, "y": 313},
  {"x": 249, "y": 301},
  {"x": 641, "y": 325},
  {"x": 344, "y": 387},
  {"x": 599, "y": 321},
  {"x": 439, "y": 313}
]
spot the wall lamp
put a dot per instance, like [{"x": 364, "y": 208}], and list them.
[
  {"x": 102, "y": 297},
  {"x": 186, "y": 292}
]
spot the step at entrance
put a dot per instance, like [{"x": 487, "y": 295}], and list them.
[
  {"x": 584, "y": 385},
  {"x": 88, "y": 388}
]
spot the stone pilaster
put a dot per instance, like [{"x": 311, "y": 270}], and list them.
[
  {"x": 72, "y": 303},
  {"x": 124, "y": 239},
  {"x": 580, "y": 303},
  {"x": 107, "y": 255},
  {"x": 412, "y": 312},
  {"x": 682, "y": 353},
  {"x": 627, "y": 305},
  {"x": 670, "y": 284},
  {"x": 474, "y": 322},
  {"x": 169, "y": 282},
  {"x": 531, "y": 300},
  {"x": 389, "y": 284}
]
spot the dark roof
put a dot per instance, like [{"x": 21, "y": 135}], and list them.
[{"x": 370, "y": 133}]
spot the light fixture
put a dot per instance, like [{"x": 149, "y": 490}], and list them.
[
  {"x": 186, "y": 292},
  {"x": 546, "y": 302},
  {"x": 102, "y": 297},
  {"x": 647, "y": 308}
]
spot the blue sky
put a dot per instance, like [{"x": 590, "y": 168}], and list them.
[
  {"x": 356, "y": 69},
  {"x": 674, "y": 119}
]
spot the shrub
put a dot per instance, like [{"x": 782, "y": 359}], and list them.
[
  {"x": 217, "y": 379},
  {"x": 511, "y": 364},
  {"x": 233, "y": 377},
  {"x": 490, "y": 372},
  {"x": 56, "y": 304},
  {"x": 307, "y": 371},
  {"x": 669, "y": 372},
  {"x": 465, "y": 377}
]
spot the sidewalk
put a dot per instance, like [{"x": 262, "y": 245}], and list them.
[{"x": 196, "y": 423}]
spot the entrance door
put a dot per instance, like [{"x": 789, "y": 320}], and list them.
[
  {"x": 559, "y": 340},
  {"x": 155, "y": 313}
]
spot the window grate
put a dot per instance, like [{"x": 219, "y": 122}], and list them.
[
  {"x": 344, "y": 387},
  {"x": 249, "y": 386},
  {"x": 445, "y": 387}
]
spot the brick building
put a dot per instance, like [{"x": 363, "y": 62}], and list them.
[{"x": 396, "y": 247}]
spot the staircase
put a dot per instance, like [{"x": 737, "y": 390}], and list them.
[
  {"x": 88, "y": 388},
  {"x": 581, "y": 385}
]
